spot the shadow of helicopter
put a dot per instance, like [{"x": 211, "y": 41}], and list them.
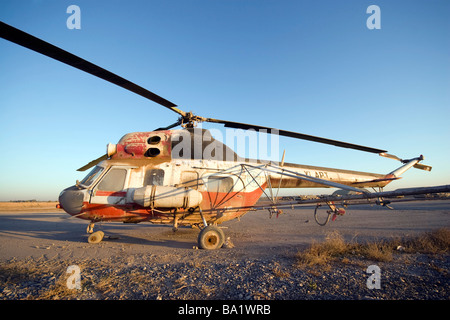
[{"x": 158, "y": 236}]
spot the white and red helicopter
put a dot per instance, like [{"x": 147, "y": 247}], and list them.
[{"x": 186, "y": 177}]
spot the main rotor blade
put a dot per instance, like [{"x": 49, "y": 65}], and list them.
[
  {"x": 26, "y": 40},
  {"x": 173, "y": 125},
  {"x": 238, "y": 125},
  {"x": 93, "y": 163}
]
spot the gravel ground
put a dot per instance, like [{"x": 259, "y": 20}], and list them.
[
  {"x": 152, "y": 263},
  {"x": 407, "y": 276}
]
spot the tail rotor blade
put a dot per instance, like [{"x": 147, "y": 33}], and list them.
[
  {"x": 422, "y": 167},
  {"x": 417, "y": 165},
  {"x": 390, "y": 156}
]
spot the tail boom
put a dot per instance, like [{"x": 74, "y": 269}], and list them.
[{"x": 301, "y": 176}]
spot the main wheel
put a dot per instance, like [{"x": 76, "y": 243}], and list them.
[
  {"x": 96, "y": 237},
  {"x": 211, "y": 238}
]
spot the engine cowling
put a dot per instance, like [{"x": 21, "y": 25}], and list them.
[{"x": 167, "y": 197}]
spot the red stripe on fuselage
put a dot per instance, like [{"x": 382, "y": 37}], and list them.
[{"x": 111, "y": 193}]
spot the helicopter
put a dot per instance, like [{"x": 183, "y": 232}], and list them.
[{"x": 186, "y": 177}]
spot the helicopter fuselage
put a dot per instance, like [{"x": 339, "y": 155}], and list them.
[{"x": 186, "y": 177}]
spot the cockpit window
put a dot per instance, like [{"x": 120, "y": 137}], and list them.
[
  {"x": 114, "y": 180},
  {"x": 92, "y": 176}
]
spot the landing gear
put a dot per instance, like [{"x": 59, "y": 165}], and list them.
[
  {"x": 210, "y": 238},
  {"x": 95, "y": 237}
]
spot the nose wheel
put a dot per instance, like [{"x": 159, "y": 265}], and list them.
[{"x": 96, "y": 237}]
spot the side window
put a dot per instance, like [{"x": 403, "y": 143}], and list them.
[
  {"x": 114, "y": 180},
  {"x": 92, "y": 176},
  {"x": 154, "y": 177},
  {"x": 220, "y": 184},
  {"x": 189, "y": 179}
]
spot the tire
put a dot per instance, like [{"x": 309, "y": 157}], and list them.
[
  {"x": 96, "y": 237},
  {"x": 211, "y": 238}
]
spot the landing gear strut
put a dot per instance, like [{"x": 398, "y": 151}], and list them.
[{"x": 90, "y": 228}]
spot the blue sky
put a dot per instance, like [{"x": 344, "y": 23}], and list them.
[{"x": 307, "y": 66}]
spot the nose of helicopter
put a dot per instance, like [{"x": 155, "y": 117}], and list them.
[{"x": 71, "y": 200}]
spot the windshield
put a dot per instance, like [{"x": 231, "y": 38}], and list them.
[{"x": 92, "y": 176}]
